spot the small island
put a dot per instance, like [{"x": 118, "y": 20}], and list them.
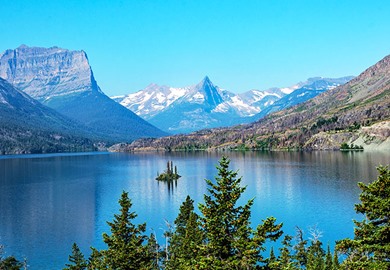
[
  {"x": 170, "y": 174},
  {"x": 352, "y": 147}
]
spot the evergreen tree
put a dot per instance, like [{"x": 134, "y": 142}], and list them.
[
  {"x": 336, "y": 263},
  {"x": 230, "y": 241},
  {"x": 185, "y": 238},
  {"x": 10, "y": 262},
  {"x": 96, "y": 260},
  {"x": 328, "y": 260},
  {"x": 370, "y": 247},
  {"x": 126, "y": 249},
  {"x": 153, "y": 252},
  {"x": 315, "y": 252},
  {"x": 300, "y": 248},
  {"x": 76, "y": 259},
  {"x": 272, "y": 262},
  {"x": 286, "y": 258}
]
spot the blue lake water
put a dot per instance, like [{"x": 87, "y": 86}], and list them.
[{"x": 47, "y": 202}]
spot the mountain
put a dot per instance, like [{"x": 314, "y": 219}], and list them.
[
  {"x": 180, "y": 110},
  {"x": 205, "y": 105},
  {"x": 27, "y": 126},
  {"x": 308, "y": 90},
  {"x": 357, "y": 112},
  {"x": 63, "y": 80}
]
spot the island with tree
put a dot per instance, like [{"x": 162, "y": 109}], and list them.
[{"x": 170, "y": 174}]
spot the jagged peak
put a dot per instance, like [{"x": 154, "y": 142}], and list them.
[
  {"x": 206, "y": 79},
  {"x": 22, "y": 46},
  {"x": 205, "y": 83}
]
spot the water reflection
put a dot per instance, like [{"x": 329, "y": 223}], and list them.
[
  {"x": 47, "y": 203},
  {"x": 170, "y": 185}
]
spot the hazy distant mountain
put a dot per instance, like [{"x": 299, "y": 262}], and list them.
[
  {"x": 27, "y": 126},
  {"x": 308, "y": 90},
  {"x": 357, "y": 112},
  {"x": 64, "y": 81},
  {"x": 205, "y": 105}
]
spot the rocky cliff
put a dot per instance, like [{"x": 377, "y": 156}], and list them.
[
  {"x": 44, "y": 73},
  {"x": 63, "y": 80}
]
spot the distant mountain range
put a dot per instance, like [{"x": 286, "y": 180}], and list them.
[
  {"x": 63, "y": 80},
  {"x": 357, "y": 112},
  {"x": 51, "y": 102},
  {"x": 205, "y": 105}
]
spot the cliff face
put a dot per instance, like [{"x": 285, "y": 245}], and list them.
[
  {"x": 46, "y": 73},
  {"x": 63, "y": 80}
]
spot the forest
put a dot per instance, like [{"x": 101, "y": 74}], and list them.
[{"x": 221, "y": 236}]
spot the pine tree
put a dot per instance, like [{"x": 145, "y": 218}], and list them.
[
  {"x": 96, "y": 260},
  {"x": 300, "y": 248},
  {"x": 153, "y": 252},
  {"x": 230, "y": 240},
  {"x": 10, "y": 262},
  {"x": 272, "y": 262},
  {"x": 76, "y": 259},
  {"x": 370, "y": 247},
  {"x": 186, "y": 237},
  {"x": 315, "y": 252},
  {"x": 286, "y": 258},
  {"x": 328, "y": 260},
  {"x": 336, "y": 263},
  {"x": 126, "y": 249}
]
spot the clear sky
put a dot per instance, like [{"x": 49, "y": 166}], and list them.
[{"x": 241, "y": 45}]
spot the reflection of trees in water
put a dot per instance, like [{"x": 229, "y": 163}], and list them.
[{"x": 170, "y": 184}]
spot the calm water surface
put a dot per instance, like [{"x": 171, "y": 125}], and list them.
[{"x": 47, "y": 202}]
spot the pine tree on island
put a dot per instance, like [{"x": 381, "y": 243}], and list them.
[{"x": 170, "y": 174}]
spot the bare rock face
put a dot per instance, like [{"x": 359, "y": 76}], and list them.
[
  {"x": 44, "y": 73},
  {"x": 63, "y": 80}
]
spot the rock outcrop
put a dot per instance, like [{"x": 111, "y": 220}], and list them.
[{"x": 45, "y": 73}]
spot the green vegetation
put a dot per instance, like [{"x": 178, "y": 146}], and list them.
[
  {"x": 9, "y": 262},
  {"x": 370, "y": 247},
  {"x": 170, "y": 174},
  {"x": 77, "y": 260},
  {"x": 351, "y": 147}
]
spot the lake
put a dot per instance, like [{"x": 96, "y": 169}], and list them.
[{"x": 47, "y": 202}]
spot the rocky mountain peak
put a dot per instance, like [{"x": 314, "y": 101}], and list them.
[
  {"x": 208, "y": 92},
  {"x": 47, "y": 72}
]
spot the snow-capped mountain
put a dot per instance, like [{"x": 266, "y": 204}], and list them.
[
  {"x": 311, "y": 88},
  {"x": 205, "y": 105},
  {"x": 150, "y": 101}
]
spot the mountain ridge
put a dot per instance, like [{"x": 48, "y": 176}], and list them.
[
  {"x": 347, "y": 113},
  {"x": 27, "y": 126},
  {"x": 205, "y": 105}
]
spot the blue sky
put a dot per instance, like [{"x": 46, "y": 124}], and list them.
[{"x": 240, "y": 45}]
